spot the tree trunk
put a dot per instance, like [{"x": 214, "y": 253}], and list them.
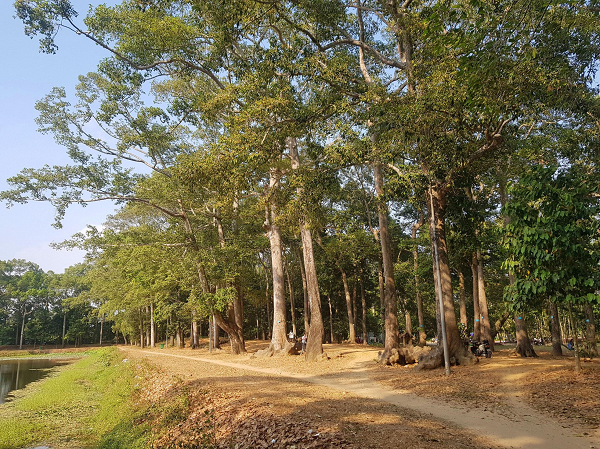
[
  {"x": 524, "y": 347},
  {"x": 486, "y": 331},
  {"x": 235, "y": 333},
  {"x": 216, "y": 336},
  {"x": 211, "y": 335},
  {"x": 351, "y": 332},
  {"x": 576, "y": 340},
  {"x": 194, "y": 330},
  {"x": 304, "y": 292},
  {"x": 152, "y": 327},
  {"x": 63, "y": 329},
  {"x": 555, "y": 330},
  {"x": 141, "y": 328},
  {"x": 391, "y": 312},
  {"x": 101, "y": 328},
  {"x": 590, "y": 329},
  {"x": 476, "y": 311},
  {"x": 364, "y": 307},
  {"x": 330, "y": 319},
  {"x": 314, "y": 343},
  {"x": 462, "y": 298},
  {"x": 419, "y": 298},
  {"x": 22, "y": 330},
  {"x": 278, "y": 337},
  {"x": 457, "y": 351},
  {"x": 292, "y": 304}
]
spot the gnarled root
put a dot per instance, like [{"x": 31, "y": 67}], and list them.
[
  {"x": 403, "y": 356},
  {"x": 288, "y": 349},
  {"x": 435, "y": 358}
]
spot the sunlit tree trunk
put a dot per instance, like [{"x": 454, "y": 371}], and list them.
[
  {"x": 391, "y": 308},
  {"x": 486, "y": 331}
]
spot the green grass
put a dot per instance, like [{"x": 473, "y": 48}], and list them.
[{"x": 85, "y": 404}]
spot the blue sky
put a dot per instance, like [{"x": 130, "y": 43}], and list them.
[{"x": 25, "y": 77}]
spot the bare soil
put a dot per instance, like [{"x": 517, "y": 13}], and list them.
[{"x": 349, "y": 401}]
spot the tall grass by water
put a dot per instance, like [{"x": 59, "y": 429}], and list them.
[{"x": 85, "y": 404}]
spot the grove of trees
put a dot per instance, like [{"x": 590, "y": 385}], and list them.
[{"x": 329, "y": 167}]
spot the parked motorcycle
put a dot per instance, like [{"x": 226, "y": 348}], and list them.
[{"x": 481, "y": 349}]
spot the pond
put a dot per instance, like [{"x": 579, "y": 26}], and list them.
[{"x": 16, "y": 374}]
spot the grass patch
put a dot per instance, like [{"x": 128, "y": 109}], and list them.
[{"x": 85, "y": 404}]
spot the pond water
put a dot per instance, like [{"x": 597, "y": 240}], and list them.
[{"x": 15, "y": 374}]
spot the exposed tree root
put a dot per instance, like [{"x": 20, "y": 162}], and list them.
[
  {"x": 435, "y": 358},
  {"x": 406, "y": 355}
]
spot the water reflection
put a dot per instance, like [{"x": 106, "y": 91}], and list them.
[{"x": 15, "y": 374}]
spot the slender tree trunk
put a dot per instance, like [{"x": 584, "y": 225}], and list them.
[
  {"x": 216, "y": 336},
  {"x": 304, "y": 291},
  {"x": 476, "y": 311},
  {"x": 194, "y": 330},
  {"x": 22, "y": 331},
  {"x": 330, "y": 319},
  {"x": 391, "y": 308},
  {"x": 590, "y": 329},
  {"x": 419, "y": 298},
  {"x": 576, "y": 341},
  {"x": 101, "y": 328},
  {"x": 211, "y": 335},
  {"x": 486, "y": 330},
  {"x": 351, "y": 332},
  {"x": 364, "y": 307},
  {"x": 381, "y": 296},
  {"x": 152, "y": 327},
  {"x": 555, "y": 329},
  {"x": 63, "y": 329},
  {"x": 462, "y": 298},
  {"x": 292, "y": 304}
]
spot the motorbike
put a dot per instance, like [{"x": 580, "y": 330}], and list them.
[{"x": 481, "y": 349}]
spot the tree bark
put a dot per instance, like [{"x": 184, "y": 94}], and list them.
[
  {"x": 462, "y": 298},
  {"x": 141, "y": 328},
  {"x": 351, "y": 331},
  {"x": 576, "y": 340},
  {"x": 419, "y": 298},
  {"x": 101, "y": 328},
  {"x": 381, "y": 296},
  {"x": 457, "y": 351},
  {"x": 330, "y": 319},
  {"x": 314, "y": 343},
  {"x": 476, "y": 311},
  {"x": 590, "y": 329},
  {"x": 364, "y": 307},
  {"x": 524, "y": 347},
  {"x": 278, "y": 337},
  {"x": 391, "y": 307},
  {"x": 152, "y": 327},
  {"x": 555, "y": 330},
  {"x": 64, "y": 328},
  {"x": 486, "y": 331},
  {"x": 304, "y": 292},
  {"x": 292, "y": 304}
]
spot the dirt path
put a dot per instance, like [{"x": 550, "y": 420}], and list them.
[{"x": 522, "y": 428}]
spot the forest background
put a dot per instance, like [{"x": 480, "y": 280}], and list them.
[{"x": 305, "y": 165}]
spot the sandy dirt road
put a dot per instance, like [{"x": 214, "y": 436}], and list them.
[{"x": 520, "y": 427}]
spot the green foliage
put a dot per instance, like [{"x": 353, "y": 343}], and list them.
[{"x": 552, "y": 236}]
